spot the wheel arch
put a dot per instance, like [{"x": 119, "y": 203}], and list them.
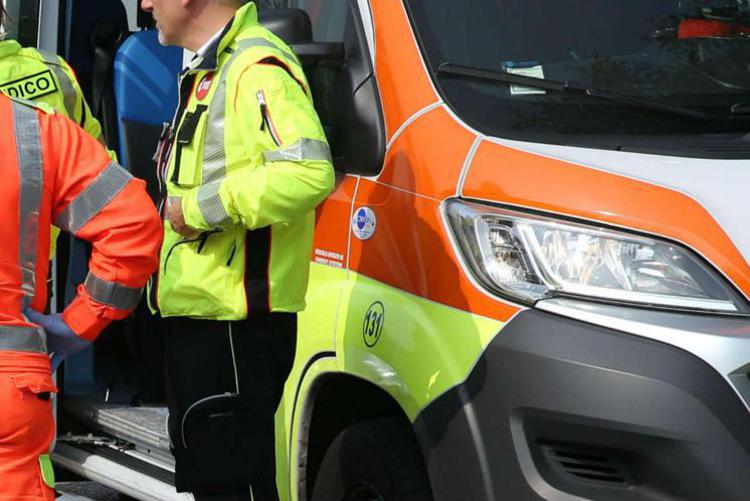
[{"x": 334, "y": 402}]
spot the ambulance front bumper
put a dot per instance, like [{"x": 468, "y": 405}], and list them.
[{"x": 574, "y": 400}]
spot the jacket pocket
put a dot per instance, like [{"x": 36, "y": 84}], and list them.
[
  {"x": 197, "y": 278},
  {"x": 198, "y": 241},
  {"x": 25, "y": 413},
  {"x": 33, "y": 385}
]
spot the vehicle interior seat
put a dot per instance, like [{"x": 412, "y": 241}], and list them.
[
  {"x": 145, "y": 84},
  {"x": 88, "y": 15},
  {"x": 97, "y": 28}
]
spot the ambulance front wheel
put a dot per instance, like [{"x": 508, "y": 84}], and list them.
[{"x": 375, "y": 460}]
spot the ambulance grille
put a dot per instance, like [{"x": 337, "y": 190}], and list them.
[{"x": 585, "y": 464}]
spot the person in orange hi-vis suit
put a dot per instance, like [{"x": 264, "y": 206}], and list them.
[{"x": 53, "y": 172}]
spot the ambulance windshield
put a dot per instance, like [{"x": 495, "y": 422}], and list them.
[{"x": 686, "y": 54}]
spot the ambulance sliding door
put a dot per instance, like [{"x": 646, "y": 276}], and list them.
[{"x": 23, "y": 21}]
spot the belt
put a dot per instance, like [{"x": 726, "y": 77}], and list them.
[{"x": 29, "y": 339}]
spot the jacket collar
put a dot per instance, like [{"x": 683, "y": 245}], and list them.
[
  {"x": 9, "y": 48},
  {"x": 245, "y": 17}
]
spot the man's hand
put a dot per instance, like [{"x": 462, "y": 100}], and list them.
[
  {"x": 177, "y": 220},
  {"x": 61, "y": 340}
]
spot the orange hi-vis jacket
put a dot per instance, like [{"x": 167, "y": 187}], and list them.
[
  {"x": 53, "y": 171},
  {"x": 67, "y": 178}
]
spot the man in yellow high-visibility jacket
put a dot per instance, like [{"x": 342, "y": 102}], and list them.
[
  {"x": 39, "y": 76},
  {"x": 243, "y": 166}
]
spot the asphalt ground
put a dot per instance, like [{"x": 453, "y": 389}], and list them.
[{"x": 87, "y": 491}]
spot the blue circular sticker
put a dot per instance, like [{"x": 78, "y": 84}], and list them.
[{"x": 364, "y": 223}]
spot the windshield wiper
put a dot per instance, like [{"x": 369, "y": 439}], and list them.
[{"x": 580, "y": 89}]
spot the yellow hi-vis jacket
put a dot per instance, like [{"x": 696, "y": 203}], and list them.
[
  {"x": 249, "y": 162},
  {"x": 41, "y": 77},
  {"x": 34, "y": 75}
]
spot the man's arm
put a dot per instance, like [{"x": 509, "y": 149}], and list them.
[
  {"x": 98, "y": 201},
  {"x": 296, "y": 172}
]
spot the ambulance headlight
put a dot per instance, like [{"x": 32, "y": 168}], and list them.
[{"x": 527, "y": 257}]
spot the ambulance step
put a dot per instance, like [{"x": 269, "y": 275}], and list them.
[
  {"x": 117, "y": 471},
  {"x": 146, "y": 427}
]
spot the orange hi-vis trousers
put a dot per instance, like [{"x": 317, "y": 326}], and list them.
[{"x": 26, "y": 427}]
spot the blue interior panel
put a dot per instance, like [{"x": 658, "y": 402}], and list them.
[{"x": 145, "y": 91}]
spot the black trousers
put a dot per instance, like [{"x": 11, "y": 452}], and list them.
[{"x": 235, "y": 372}]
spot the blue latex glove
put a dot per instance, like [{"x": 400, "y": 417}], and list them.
[{"x": 61, "y": 341}]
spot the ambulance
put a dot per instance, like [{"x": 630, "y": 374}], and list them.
[{"x": 531, "y": 282}]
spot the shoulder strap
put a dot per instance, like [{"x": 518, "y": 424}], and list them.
[{"x": 66, "y": 84}]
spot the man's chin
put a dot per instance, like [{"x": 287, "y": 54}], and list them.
[{"x": 163, "y": 39}]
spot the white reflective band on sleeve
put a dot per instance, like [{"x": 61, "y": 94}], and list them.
[
  {"x": 302, "y": 151},
  {"x": 66, "y": 85},
  {"x": 93, "y": 198},
  {"x": 31, "y": 173},
  {"x": 262, "y": 42},
  {"x": 210, "y": 204},
  {"x": 112, "y": 294},
  {"x": 26, "y": 339}
]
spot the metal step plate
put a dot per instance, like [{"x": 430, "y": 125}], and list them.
[
  {"x": 146, "y": 427},
  {"x": 107, "y": 468}
]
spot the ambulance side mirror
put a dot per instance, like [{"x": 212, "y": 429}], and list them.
[
  {"x": 354, "y": 106},
  {"x": 343, "y": 84}
]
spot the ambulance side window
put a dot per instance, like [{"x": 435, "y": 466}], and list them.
[{"x": 23, "y": 21}]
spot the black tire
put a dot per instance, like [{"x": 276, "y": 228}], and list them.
[{"x": 375, "y": 460}]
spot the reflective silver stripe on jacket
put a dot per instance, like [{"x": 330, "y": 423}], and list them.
[
  {"x": 304, "y": 150},
  {"x": 27, "y": 339},
  {"x": 66, "y": 84},
  {"x": 210, "y": 204},
  {"x": 112, "y": 294},
  {"x": 31, "y": 173},
  {"x": 93, "y": 198},
  {"x": 262, "y": 42}
]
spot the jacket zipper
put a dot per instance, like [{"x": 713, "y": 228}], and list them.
[
  {"x": 202, "y": 400},
  {"x": 168, "y": 135},
  {"x": 231, "y": 254},
  {"x": 266, "y": 122}
]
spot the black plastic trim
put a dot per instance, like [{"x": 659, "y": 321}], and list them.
[
  {"x": 310, "y": 363},
  {"x": 676, "y": 425}
]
